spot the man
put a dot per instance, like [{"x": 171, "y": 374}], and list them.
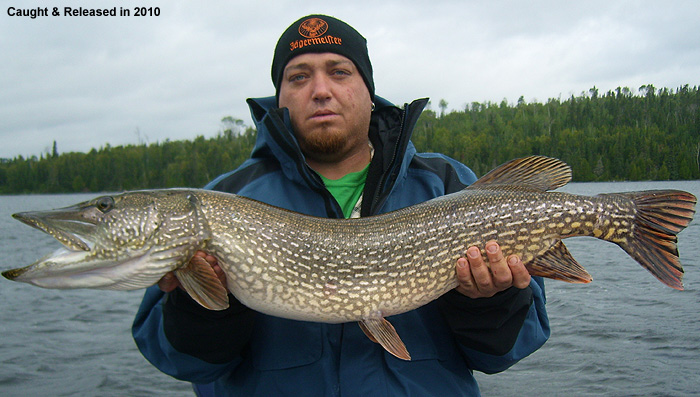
[{"x": 327, "y": 146}]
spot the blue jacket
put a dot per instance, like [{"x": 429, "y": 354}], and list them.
[{"x": 242, "y": 352}]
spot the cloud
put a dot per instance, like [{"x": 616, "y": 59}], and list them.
[{"x": 88, "y": 81}]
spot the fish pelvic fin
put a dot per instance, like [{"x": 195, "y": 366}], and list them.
[
  {"x": 536, "y": 172},
  {"x": 558, "y": 264},
  {"x": 202, "y": 284},
  {"x": 661, "y": 215},
  {"x": 380, "y": 330}
]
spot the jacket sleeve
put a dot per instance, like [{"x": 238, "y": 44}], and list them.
[
  {"x": 495, "y": 333},
  {"x": 188, "y": 342}
]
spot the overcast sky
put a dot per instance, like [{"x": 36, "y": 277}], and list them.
[{"x": 88, "y": 81}]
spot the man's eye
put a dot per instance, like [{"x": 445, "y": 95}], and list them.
[{"x": 297, "y": 77}]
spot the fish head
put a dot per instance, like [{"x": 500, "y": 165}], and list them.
[{"x": 122, "y": 242}]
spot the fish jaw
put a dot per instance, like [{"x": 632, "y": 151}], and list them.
[
  {"x": 122, "y": 242},
  {"x": 71, "y": 226},
  {"x": 67, "y": 269},
  {"x": 74, "y": 227}
]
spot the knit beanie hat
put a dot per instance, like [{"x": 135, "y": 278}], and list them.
[{"x": 322, "y": 33}]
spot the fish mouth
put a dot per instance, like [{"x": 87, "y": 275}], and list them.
[
  {"x": 95, "y": 252},
  {"x": 71, "y": 226},
  {"x": 50, "y": 267}
]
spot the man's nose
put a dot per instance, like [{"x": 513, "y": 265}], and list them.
[{"x": 321, "y": 88}]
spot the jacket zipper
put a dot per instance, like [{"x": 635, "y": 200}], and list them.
[{"x": 390, "y": 170}]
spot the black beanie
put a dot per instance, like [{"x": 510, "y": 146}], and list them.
[{"x": 321, "y": 33}]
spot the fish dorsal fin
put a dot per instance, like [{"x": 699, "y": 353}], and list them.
[
  {"x": 558, "y": 264},
  {"x": 381, "y": 331},
  {"x": 202, "y": 284},
  {"x": 537, "y": 172}
]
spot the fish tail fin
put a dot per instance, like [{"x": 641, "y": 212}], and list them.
[{"x": 661, "y": 215}]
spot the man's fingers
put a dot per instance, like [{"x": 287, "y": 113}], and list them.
[
  {"x": 481, "y": 277},
  {"x": 502, "y": 277},
  {"x": 480, "y": 271},
  {"x": 209, "y": 258},
  {"x": 464, "y": 274},
  {"x": 467, "y": 286},
  {"x": 521, "y": 277}
]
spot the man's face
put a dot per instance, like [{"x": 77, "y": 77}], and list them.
[{"x": 329, "y": 104}]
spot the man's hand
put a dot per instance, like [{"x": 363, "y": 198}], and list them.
[
  {"x": 480, "y": 280},
  {"x": 169, "y": 282}
]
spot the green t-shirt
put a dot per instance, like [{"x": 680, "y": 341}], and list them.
[{"x": 348, "y": 189}]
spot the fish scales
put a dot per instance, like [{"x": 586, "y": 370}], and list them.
[
  {"x": 348, "y": 268},
  {"x": 300, "y": 267},
  {"x": 391, "y": 264}
]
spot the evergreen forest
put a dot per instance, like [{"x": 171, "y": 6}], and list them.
[{"x": 653, "y": 134}]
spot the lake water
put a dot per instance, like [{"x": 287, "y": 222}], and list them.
[{"x": 623, "y": 334}]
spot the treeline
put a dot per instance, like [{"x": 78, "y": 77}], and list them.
[
  {"x": 158, "y": 165},
  {"x": 651, "y": 135}
]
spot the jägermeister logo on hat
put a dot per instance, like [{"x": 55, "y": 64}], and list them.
[{"x": 313, "y": 27}]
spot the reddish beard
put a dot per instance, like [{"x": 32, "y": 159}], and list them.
[{"x": 323, "y": 143}]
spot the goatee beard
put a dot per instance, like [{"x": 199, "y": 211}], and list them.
[{"x": 323, "y": 145}]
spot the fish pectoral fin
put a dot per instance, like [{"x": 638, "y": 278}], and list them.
[
  {"x": 379, "y": 330},
  {"x": 558, "y": 264},
  {"x": 202, "y": 284}
]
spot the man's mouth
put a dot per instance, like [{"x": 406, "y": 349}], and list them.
[{"x": 323, "y": 114}]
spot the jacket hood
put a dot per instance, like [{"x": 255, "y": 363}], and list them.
[{"x": 390, "y": 132}]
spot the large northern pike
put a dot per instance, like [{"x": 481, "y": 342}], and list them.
[{"x": 305, "y": 268}]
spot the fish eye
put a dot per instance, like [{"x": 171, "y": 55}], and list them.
[{"x": 105, "y": 204}]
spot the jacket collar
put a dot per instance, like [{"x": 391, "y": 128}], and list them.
[{"x": 390, "y": 132}]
